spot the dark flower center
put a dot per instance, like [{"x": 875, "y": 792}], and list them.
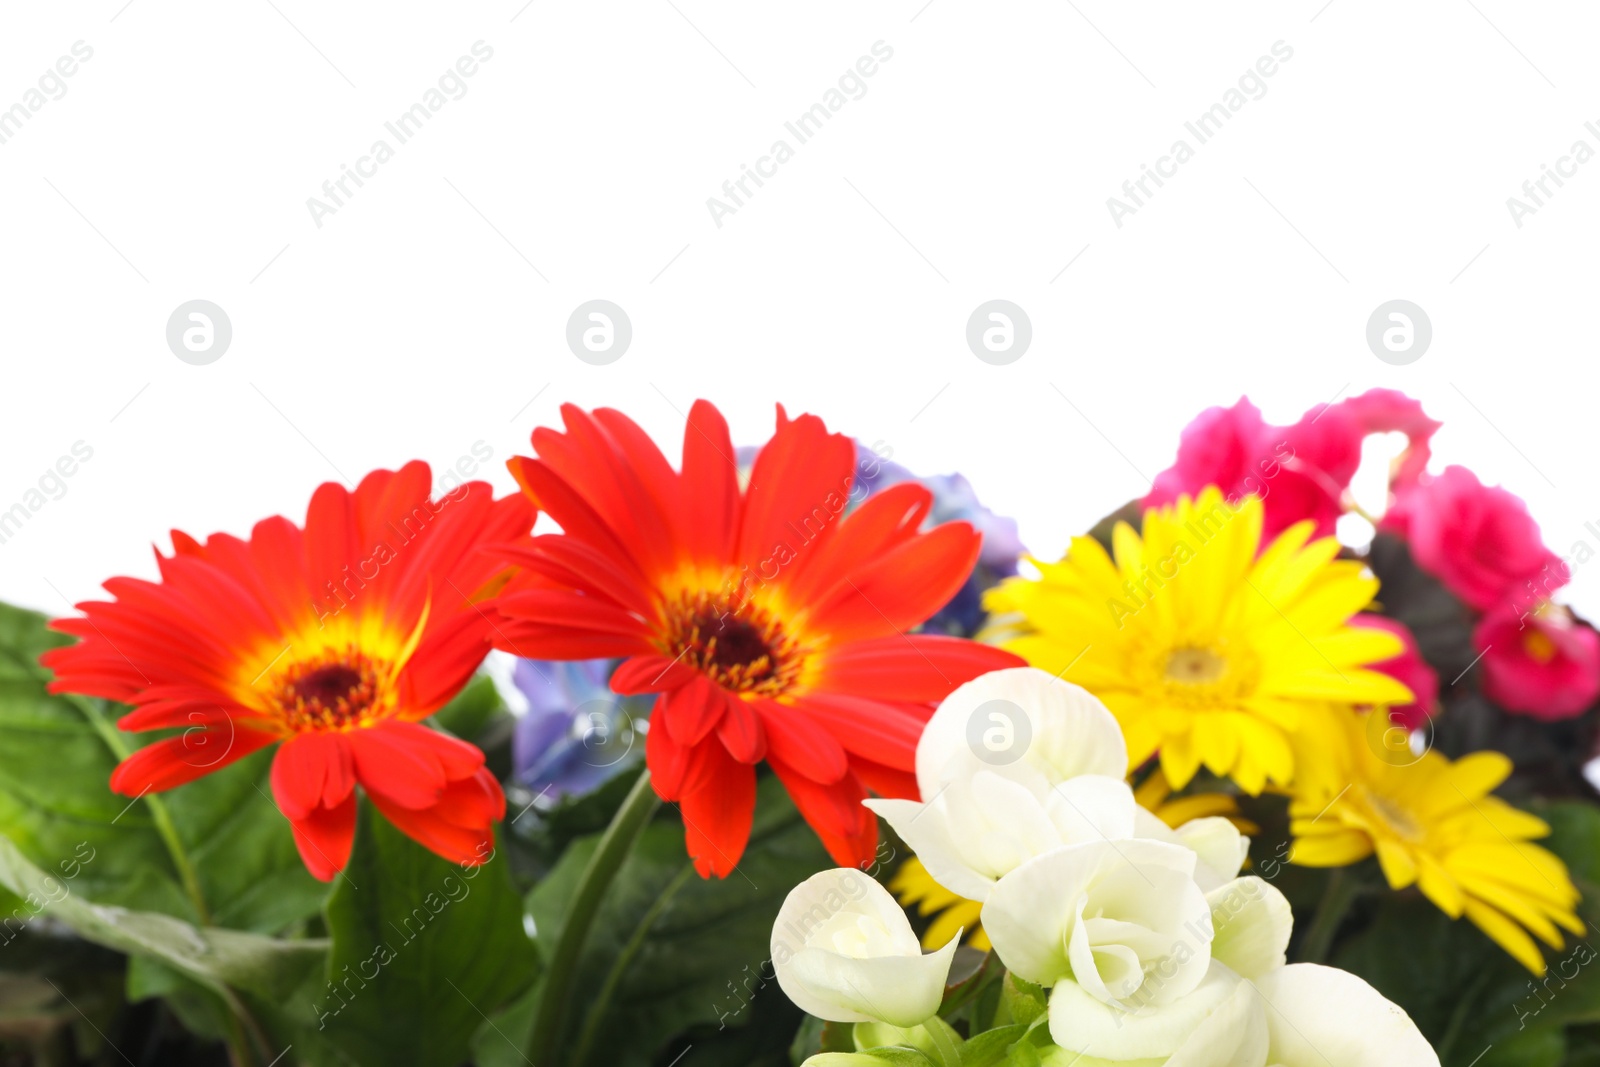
[
  {"x": 334, "y": 691},
  {"x": 739, "y": 646}
]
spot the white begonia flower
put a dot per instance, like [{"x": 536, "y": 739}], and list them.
[
  {"x": 1220, "y": 1023},
  {"x": 987, "y": 821},
  {"x": 844, "y": 951},
  {"x": 1250, "y": 926},
  {"x": 1318, "y": 1016},
  {"x": 1063, "y": 731},
  {"x": 1219, "y": 844},
  {"x": 1123, "y": 921},
  {"x": 1303, "y": 1015}
]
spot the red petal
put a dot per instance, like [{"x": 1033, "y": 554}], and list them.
[
  {"x": 740, "y": 732},
  {"x": 440, "y": 828},
  {"x": 310, "y": 771},
  {"x": 650, "y": 674},
  {"x": 563, "y": 608},
  {"x": 804, "y": 471},
  {"x": 692, "y": 712},
  {"x": 193, "y": 754},
  {"x": 677, "y": 770},
  {"x": 330, "y": 539},
  {"x": 536, "y": 640},
  {"x": 913, "y": 667},
  {"x": 324, "y": 837},
  {"x": 409, "y": 764},
  {"x": 670, "y": 763},
  {"x": 710, "y": 486},
  {"x": 901, "y": 588},
  {"x": 577, "y": 517},
  {"x": 571, "y": 563},
  {"x": 166, "y": 706},
  {"x": 884, "y": 732},
  {"x": 847, "y": 829},
  {"x": 717, "y": 816},
  {"x": 883, "y": 521},
  {"x": 799, "y": 741},
  {"x": 885, "y": 781}
]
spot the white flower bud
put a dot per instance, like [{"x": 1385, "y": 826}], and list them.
[{"x": 844, "y": 951}]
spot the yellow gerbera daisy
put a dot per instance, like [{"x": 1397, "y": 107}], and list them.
[
  {"x": 1433, "y": 823},
  {"x": 1205, "y": 652}
]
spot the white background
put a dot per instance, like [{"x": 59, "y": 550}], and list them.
[{"x": 426, "y": 314}]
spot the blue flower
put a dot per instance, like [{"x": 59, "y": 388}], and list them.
[{"x": 576, "y": 732}]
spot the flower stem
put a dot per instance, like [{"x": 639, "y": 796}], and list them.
[
  {"x": 615, "y": 845},
  {"x": 1341, "y": 892},
  {"x": 167, "y": 830},
  {"x": 159, "y": 815},
  {"x": 619, "y": 969},
  {"x": 945, "y": 1041}
]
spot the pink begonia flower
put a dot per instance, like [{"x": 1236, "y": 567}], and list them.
[
  {"x": 1479, "y": 540},
  {"x": 1541, "y": 663},
  {"x": 1299, "y": 471},
  {"x": 1409, "y": 669}
]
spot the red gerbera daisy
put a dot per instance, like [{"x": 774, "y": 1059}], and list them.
[
  {"x": 336, "y": 640},
  {"x": 772, "y": 626}
]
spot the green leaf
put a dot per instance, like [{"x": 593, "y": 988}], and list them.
[
  {"x": 670, "y": 951},
  {"x": 423, "y": 950},
  {"x": 1022, "y": 1001},
  {"x": 1575, "y": 837},
  {"x": 818, "y": 1035},
  {"x": 1463, "y": 991},
  {"x": 471, "y": 710},
  {"x": 213, "y": 957},
  {"x": 57, "y": 806},
  {"x": 1583, "y": 1046},
  {"x": 1544, "y": 1046},
  {"x": 990, "y": 1048},
  {"x": 935, "y": 1038},
  {"x": 872, "y": 1057}
]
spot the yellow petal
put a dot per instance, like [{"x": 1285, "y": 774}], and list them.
[
  {"x": 1507, "y": 934},
  {"x": 1338, "y": 849},
  {"x": 1438, "y": 886},
  {"x": 1398, "y": 866}
]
